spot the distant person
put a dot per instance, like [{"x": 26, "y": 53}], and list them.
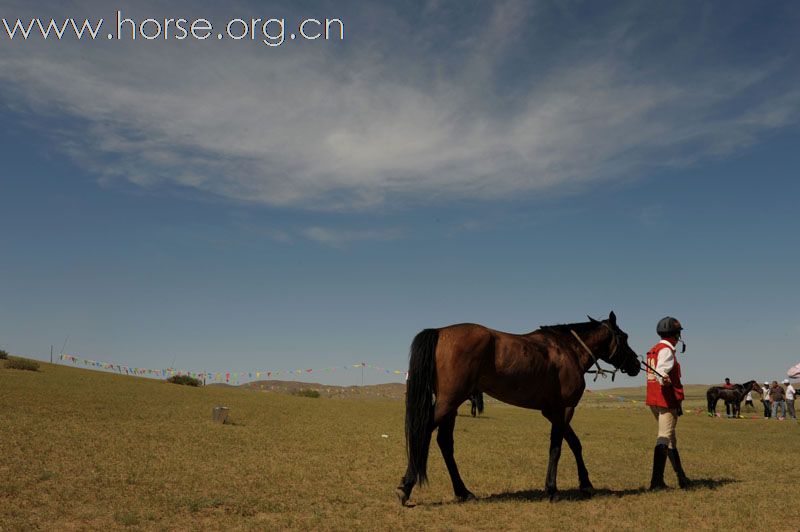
[
  {"x": 727, "y": 386},
  {"x": 765, "y": 400},
  {"x": 748, "y": 400},
  {"x": 664, "y": 397},
  {"x": 790, "y": 393},
  {"x": 777, "y": 398}
]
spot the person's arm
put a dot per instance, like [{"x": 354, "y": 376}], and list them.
[{"x": 666, "y": 361}]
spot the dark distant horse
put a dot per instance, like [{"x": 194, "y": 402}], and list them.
[
  {"x": 476, "y": 402},
  {"x": 732, "y": 396},
  {"x": 543, "y": 370}
]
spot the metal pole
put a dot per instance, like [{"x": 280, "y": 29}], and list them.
[
  {"x": 51, "y": 354},
  {"x": 362, "y": 374}
]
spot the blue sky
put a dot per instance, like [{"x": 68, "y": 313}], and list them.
[{"x": 234, "y": 207}]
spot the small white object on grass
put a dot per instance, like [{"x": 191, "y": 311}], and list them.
[
  {"x": 384, "y": 435},
  {"x": 220, "y": 414}
]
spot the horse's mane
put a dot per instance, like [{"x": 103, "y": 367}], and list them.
[
  {"x": 565, "y": 328},
  {"x": 748, "y": 386}
]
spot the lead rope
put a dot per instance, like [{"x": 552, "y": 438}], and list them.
[{"x": 599, "y": 371}]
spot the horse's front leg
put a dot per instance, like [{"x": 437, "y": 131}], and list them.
[
  {"x": 577, "y": 450},
  {"x": 583, "y": 474},
  {"x": 556, "y": 437}
]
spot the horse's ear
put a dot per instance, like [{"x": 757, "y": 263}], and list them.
[
  {"x": 592, "y": 319},
  {"x": 612, "y": 318}
]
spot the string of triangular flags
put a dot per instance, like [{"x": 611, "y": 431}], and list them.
[{"x": 221, "y": 376}]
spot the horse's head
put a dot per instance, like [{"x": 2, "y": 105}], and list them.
[
  {"x": 617, "y": 352},
  {"x": 752, "y": 386}
]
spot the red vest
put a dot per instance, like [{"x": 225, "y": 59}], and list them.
[{"x": 669, "y": 396}]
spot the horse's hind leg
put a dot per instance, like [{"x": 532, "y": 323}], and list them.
[
  {"x": 445, "y": 440},
  {"x": 556, "y": 439},
  {"x": 403, "y": 491}
]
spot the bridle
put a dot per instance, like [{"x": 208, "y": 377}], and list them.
[{"x": 601, "y": 372}]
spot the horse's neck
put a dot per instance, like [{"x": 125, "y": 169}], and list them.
[
  {"x": 598, "y": 339},
  {"x": 593, "y": 339}
]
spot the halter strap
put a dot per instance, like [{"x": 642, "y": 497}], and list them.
[{"x": 599, "y": 371}]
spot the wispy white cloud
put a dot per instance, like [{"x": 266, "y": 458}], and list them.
[
  {"x": 369, "y": 123},
  {"x": 339, "y": 238}
]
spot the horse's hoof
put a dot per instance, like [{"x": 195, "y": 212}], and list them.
[
  {"x": 402, "y": 496},
  {"x": 468, "y": 496},
  {"x": 587, "y": 492},
  {"x": 554, "y": 496}
]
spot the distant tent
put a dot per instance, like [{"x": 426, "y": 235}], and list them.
[{"x": 794, "y": 372}]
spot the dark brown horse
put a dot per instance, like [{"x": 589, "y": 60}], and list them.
[
  {"x": 733, "y": 397},
  {"x": 543, "y": 370},
  {"x": 476, "y": 403}
]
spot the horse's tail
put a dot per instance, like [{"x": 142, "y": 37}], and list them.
[
  {"x": 420, "y": 391},
  {"x": 479, "y": 401}
]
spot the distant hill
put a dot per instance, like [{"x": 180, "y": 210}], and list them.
[{"x": 393, "y": 391}]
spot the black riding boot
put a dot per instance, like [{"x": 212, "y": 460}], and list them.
[
  {"x": 675, "y": 459},
  {"x": 659, "y": 461}
]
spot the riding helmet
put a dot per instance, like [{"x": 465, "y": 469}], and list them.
[{"x": 668, "y": 326}]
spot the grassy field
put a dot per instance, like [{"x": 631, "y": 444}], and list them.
[{"x": 89, "y": 450}]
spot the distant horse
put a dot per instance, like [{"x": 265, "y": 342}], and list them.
[
  {"x": 732, "y": 396},
  {"x": 542, "y": 370},
  {"x": 476, "y": 402}
]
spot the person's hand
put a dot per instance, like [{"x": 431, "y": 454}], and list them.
[
  {"x": 666, "y": 381},
  {"x": 680, "y": 411}
]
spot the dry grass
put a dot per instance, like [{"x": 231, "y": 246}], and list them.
[{"x": 87, "y": 450}]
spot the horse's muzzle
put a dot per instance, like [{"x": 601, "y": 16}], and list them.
[{"x": 632, "y": 369}]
